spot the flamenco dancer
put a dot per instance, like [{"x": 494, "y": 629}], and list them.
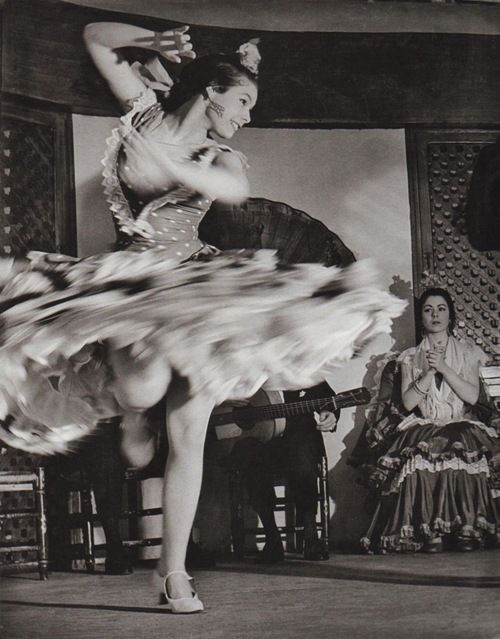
[{"x": 121, "y": 330}]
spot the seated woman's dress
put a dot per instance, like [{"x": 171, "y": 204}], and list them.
[
  {"x": 437, "y": 471},
  {"x": 228, "y": 322}
]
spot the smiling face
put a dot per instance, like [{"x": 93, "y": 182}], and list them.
[
  {"x": 435, "y": 314},
  {"x": 228, "y": 109}
]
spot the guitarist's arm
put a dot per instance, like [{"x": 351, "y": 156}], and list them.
[{"x": 326, "y": 419}]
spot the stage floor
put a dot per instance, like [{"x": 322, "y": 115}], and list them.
[{"x": 348, "y": 596}]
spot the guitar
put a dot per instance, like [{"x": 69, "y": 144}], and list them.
[{"x": 264, "y": 420}]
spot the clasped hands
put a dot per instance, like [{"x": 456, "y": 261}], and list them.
[{"x": 435, "y": 359}]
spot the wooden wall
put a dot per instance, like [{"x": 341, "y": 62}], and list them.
[{"x": 319, "y": 79}]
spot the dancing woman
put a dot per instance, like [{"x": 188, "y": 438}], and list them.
[
  {"x": 123, "y": 329},
  {"x": 437, "y": 470},
  {"x": 215, "y": 96}
]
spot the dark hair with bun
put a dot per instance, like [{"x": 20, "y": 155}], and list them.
[
  {"x": 441, "y": 292},
  {"x": 216, "y": 70}
]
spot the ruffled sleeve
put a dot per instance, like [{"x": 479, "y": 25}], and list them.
[
  {"x": 473, "y": 356},
  {"x": 146, "y": 104}
]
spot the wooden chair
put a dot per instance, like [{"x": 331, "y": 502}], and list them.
[
  {"x": 120, "y": 490},
  {"x": 85, "y": 519},
  {"x": 23, "y": 517},
  {"x": 380, "y": 428},
  {"x": 291, "y": 530}
]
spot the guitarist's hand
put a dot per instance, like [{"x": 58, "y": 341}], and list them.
[
  {"x": 239, "y": 418},
  {"x": 326, "y": 421}
]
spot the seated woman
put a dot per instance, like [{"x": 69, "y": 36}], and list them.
[{"x": 437, "y": 469}]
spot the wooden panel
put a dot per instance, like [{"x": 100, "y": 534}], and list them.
[
  {"x": 38, "y": 210},
  {"x": 320, "y": 79},
  {"x": 441, "y": 164}
]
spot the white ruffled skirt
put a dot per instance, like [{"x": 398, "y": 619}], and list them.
[{"x": 229, "y": 324}]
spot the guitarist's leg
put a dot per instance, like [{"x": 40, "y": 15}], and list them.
[
  {"x": 258, "y": 462},
  {"x": 260, "y": 487},
  {"x": 305, "y": 448},
  {"x": 106, "y": 470}
]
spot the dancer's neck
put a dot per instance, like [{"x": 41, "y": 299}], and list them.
[{"x": 188, "y": 125}]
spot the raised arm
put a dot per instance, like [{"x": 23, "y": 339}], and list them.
[
  {"x": 225, "y": 179},
  {"x": 104, "y": 40}
]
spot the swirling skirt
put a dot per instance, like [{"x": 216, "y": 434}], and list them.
[
  {"x": 229, "y": 325},
  {"x": 438, "y": 481}
]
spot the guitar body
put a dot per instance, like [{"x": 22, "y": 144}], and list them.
[
  {"x": 265, "y": 415},
  {"x": 264, "y": 430}
]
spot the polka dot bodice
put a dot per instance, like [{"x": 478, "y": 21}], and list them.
[
  {"x": 172, "y": 225},
  {"x": 144, "y": 218}
]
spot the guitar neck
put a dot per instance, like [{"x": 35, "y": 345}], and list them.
[
  {"x": 289, "y": 409},
  {"x": 354, "y": 397}
]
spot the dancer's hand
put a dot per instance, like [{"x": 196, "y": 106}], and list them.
[{"x": 172, "y": 44}]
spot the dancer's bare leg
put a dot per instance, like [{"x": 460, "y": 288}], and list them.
[
  {"x": 139, "y": 441},
  {"x": 187, "y": 419},
  {"x": 141, "y": 380}
]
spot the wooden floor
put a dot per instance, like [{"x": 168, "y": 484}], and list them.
[{"x": 349, "y": 596}]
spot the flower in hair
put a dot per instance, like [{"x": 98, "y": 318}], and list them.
[
  {"x": 249, "y": 55},
  {"x": 432, "y": 280}
]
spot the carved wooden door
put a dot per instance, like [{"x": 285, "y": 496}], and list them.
[
  {"x": 37, "y": 196},
  {"x": 37, "y": 212},
  {"x": 440, "y": 164}
]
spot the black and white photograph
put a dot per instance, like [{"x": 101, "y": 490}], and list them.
[{"x": 249, "y": 319}]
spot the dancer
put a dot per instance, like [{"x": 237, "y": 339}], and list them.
[
  {"x": 437, "y": 469},
  {"x": 127, "y": 327}
]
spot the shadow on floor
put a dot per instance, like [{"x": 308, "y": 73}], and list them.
[{"x": 419, "y": 571}]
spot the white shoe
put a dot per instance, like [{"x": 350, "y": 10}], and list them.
[{"x": 183, "y": 605}]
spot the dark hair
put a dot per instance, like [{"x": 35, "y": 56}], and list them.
[
  {"x": 216, "y": 70},
  {"x": 429, "y": 292}
]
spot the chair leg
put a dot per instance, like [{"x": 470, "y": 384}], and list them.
[
  {"x": 87, "y": 526},
  {"x": 237, "y": 519},
  {"x": 43, "y": 558},
  {"x": 325, "y": 507},
  {"x": 134, "y": 506}
]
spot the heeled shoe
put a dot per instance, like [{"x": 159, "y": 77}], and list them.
[
  {"x": 466, "y": 544},
  {"x": 313, "y": 550},
  {"x": 272, "y": 553},
  {"x": 433, "y": 545},
  {"x": 182, "y": 605}
]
